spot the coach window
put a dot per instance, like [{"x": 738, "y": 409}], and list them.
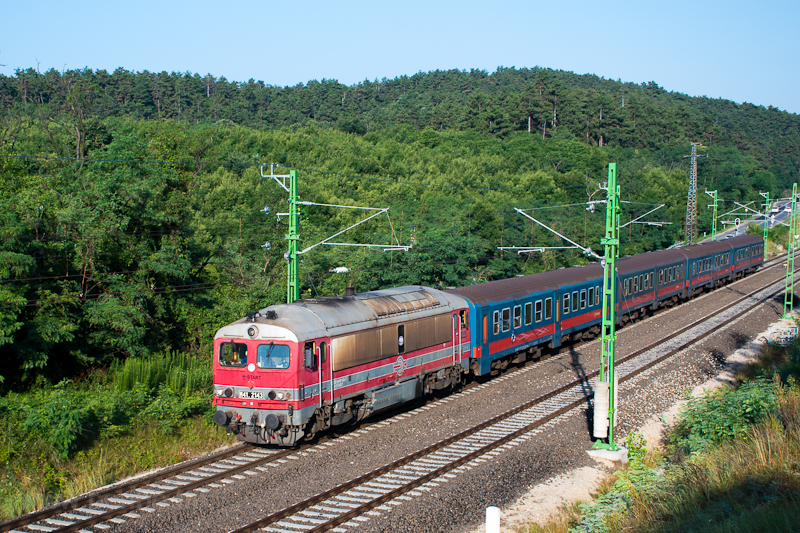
[
  {"x": 517, "y": 316},
  {"x": 591, "y": 296},
  {"x": 641, "y": 282},
  {"x": 597, "y": 296},
  {"x": 528, "y": 313},
  {"x": 625, "y": 287},
  {"x": 538, "y": 311},
  {"x": 232, "y": 354},
  {"x": 496, "y": 322},
  {"x": 506, "y": 319},
  {"x": 635, "y": 284},
  {"x": 575, "y": 301},
  {"x": 548, "y": 309},
  {"x": 583, "y": 299},
  {"x": 661, "y": 277},
  {"x": 566, "y": 303}
]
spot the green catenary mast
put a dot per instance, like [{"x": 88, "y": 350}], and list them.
[
  {"x": 293, "y": 267},
  {"x": 766, "y": 216},
  {"x": 605, "y": 408},
  {"x": 788, "y": 295},
  {"x": 713, "y": 195}
]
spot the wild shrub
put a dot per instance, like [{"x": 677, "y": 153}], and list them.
[{"x": 722, "y": 415}]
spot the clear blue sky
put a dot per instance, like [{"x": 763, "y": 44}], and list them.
[{"x": 742, "y": 51}]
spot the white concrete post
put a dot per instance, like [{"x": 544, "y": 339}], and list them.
[{"x": 492, "y": 520}]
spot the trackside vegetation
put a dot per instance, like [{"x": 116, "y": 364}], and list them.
[
  {"x": 62, "y": 440},
  {"x": 732, "y": 463}
]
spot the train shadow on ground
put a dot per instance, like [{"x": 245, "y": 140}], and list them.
[{"x": 580, "y": 373}]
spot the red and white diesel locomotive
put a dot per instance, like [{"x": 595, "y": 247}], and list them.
[{"x": 292, "y": 370}]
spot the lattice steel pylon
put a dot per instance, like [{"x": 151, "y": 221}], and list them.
[{"x": 691, "y": 202}]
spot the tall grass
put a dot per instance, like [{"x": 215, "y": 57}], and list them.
[
  {"x": 749, "y": 483},
  {"x": 181, "y": 373}
]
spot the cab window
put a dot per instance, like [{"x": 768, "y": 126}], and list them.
[
  {"x": 232, "y": 354},
  {"x": 273, "y": 356}
]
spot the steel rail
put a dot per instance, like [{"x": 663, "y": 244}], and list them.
[
  {"x": 147, "y": 500},
  {"x": 69, "y": 505},
  {"x": 394, "y": 493}
]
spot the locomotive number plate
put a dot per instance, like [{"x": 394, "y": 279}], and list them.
[{"x": 251, "y": 394}]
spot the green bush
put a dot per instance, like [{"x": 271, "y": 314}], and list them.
[{"x": 722, "y": 415}]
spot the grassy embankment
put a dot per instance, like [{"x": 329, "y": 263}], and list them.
[
  {"x": 732, "y": 464},
  {"x": 60, "y": 441}
]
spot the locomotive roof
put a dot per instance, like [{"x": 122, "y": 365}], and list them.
[
  {"x": 322, "y": 317},
  {"x": 524, "y": 286}
]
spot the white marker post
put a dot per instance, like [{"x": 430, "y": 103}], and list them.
[{"x": 492, "y": 520}]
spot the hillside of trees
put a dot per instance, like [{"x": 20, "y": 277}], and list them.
[{"x": 131, "y": 204}]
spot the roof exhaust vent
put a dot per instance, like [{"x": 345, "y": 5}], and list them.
[{"x": 350, "y": 291}]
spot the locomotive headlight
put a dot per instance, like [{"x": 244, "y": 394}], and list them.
[
  {"x": 219, "y": 392},
  {"x": 280, "y": 396},
  {"x": 229, "y": 392},
  {"x": 252, "y": 332}
]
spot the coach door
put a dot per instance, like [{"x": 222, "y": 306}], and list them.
[{"x": 456, "y": 339}]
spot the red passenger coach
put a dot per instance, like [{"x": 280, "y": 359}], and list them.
[{"x": 292, "y": 370}]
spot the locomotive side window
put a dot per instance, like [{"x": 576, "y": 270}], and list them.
[
  {"x": 548, "y": 309},
  {"x": 496, "y": 322},
  {"x": 539, "y": 311},
  {"x": 517, "y": 316},
  {"x": 528, "y": 313},
  {"x": 274, "y": 356},
  {"x": 506, "y": 319},
  {"x": 232, "y": 354},
  {"x": 566, "y": 303},
  {"x": 323, "y": 351},
  {"x": 583, "y": 299}
]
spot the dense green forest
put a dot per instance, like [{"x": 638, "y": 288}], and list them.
[{"x": 131, "y": 217}]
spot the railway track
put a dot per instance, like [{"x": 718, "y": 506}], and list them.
[
  {"x": 347, "y": 504},
  {"x": 113, "y": 505}
]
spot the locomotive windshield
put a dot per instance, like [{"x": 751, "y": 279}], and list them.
[
  {"x": 275, "y": 356},
  {"x": 232, "y": 354}
]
